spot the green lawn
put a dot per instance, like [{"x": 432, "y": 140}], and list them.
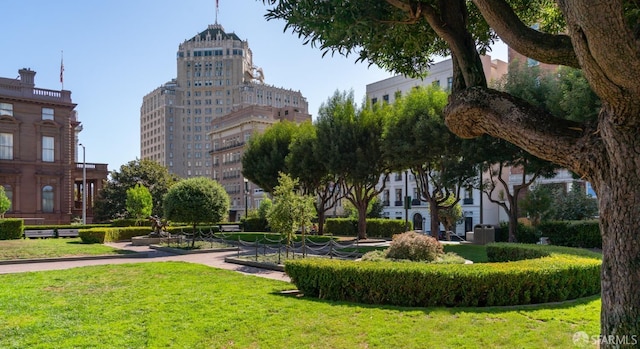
[
  {"x": 182, "y": 305},
  {"x": 48, "y": 248},
  {"x": 475, "y": 253}
]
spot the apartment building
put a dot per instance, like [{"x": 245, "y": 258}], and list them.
[
  {"x": 229, "y": 139},
  {"x": 38, "y": 154},
  {"x": 403, "y": 184}
]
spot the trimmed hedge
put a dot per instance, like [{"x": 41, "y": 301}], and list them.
[
  {"x": 113, "y": 234},
  {"x": 11, "y": 228},
  {"x": 585, "y": 234},
  {"x": 376, "y": 227},
  {"x": 560, "y": 276}
]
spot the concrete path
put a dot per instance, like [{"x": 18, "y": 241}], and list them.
[{"x": 212, "y": 259}]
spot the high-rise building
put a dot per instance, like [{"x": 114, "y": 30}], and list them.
[
  {"x": 215, "y": 76},
  {"x": 39, "y": 167}
]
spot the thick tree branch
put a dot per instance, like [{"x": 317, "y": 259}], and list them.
[
  {"x": 476, "y": 111},
  {"x": 546, "y": 48},
  {"x": 608, "y": 50}
]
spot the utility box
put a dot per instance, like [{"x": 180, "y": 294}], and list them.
[{"x": 484, "y": 234}]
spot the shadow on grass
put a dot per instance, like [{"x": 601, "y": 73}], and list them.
[{"x": 565, "y": 305}]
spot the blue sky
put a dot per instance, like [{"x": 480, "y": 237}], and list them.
[{"x": 117, "y": 51}]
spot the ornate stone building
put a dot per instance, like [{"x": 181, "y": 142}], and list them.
[{"x": 38, "y": 142}]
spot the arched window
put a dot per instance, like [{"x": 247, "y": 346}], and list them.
[{"x": 47, "y": 199}]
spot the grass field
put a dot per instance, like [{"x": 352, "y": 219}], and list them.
[
  {"x": 50, "y": 248},
  {"x": 181, "y": 305}
]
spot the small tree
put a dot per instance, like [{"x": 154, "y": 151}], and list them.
[
  {"x": 139, "y": 202},
  {"x": 450, "y": 214},
  {"x": 265, "y": 207},
  {"x": 5, "y": 202},
  {"x": 290, "y": 210},
  {"x": 196, "y": 200},
  {"x": 538, "y": 204}
]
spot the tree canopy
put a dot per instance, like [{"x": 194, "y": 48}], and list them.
[
  {"x": 5, "y": 203},
  {"x": 139, "y": 202},
  {"x": 597, "y": 36},
  {"x": 351, "y": 139},
  {"x": 264, "y": 157},
  {"x": 196, "y": 200},
  {"x": 416, "y": 138},
  {"x": 111, "y": 201}
]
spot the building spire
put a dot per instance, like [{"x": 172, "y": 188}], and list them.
[{"x": 217, "y": 8}]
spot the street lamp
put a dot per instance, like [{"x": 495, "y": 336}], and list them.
[
  {"x": 84, "y": 186},
  {"x": 246, "y": 198}
]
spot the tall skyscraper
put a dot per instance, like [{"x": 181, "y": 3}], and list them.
[{"x": 215, "y": 76}]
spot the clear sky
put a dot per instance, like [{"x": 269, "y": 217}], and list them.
[{"x": 117, "y": 51}]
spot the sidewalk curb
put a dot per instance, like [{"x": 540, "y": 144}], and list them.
[
  {"x": 268, "y": 266},
  {"x": 182, "y": 252},
  {"x": 77, "y": 258}
]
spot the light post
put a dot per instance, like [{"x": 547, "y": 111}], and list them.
[
  {"x": 246, "y": 198},
  {"x": 84, "y": 186}
]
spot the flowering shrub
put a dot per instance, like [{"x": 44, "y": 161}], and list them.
[{"x": 414, "y": 246}]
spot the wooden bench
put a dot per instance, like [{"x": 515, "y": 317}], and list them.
[
  {"x": 230, "y": 228},
  {"x": 44, "y": 233}
]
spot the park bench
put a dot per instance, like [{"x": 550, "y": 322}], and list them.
[
  {"x": 230, "y": 228},
  {"x": 43, "y": 233},
  {"x": 68, "y": 233},
  {"x": 50, "y": 233}
]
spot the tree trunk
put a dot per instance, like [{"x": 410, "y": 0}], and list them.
[
  {"x": 435, "y": 219},
  {"x": 619, "y": 199},
  {"x": 513, "y": 224},
  {"x": 362, "y": 221},
  {"x": 321, "y": 215}
]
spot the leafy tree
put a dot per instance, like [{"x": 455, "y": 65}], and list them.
[
  {"x": 538, "y": 204},
  {"x": 417, "y": 138},
  {"x": 575, "y": 204},
  {"x": 264, "y": 157},
  {"x": 351, "y": 139},
  {"x": 139, "y": 202},
  {"x": 5, "y": 203},
  {"x": 307, "y": 162},
  {"x": 290, "y": 211},
  {"x": 196, "y": 200},
  {"x": 265, "y": 207},
  {"x": 111, "y": 201},
  {"x": 599, "y": 37},
  {"x": 451, "y": 214}
]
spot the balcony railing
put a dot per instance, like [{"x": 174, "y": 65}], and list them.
[
  {"x": 468, "y": 201},
  {"x": 416, "y": 202},
  {"x": 399, "y": 203},
  {"x": 385, "y": 203}
]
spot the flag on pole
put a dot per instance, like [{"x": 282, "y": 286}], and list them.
[{"x": 61, "y": 69}]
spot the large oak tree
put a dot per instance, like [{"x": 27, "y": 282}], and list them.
[{"x": 600, "y": 37}]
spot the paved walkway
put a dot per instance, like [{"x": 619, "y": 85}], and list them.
[{"x": 212, "y": 259}]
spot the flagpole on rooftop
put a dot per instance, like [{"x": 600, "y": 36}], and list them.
[{"x": 62, "y": 69}]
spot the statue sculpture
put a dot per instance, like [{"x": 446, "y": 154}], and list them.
[{"x": 158, "y": 226}]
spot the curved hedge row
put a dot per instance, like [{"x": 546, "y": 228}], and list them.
[{"x": 559, "y": 274}]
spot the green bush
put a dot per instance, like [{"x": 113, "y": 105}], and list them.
[
  {"x": 414, "y": 247},
  {"x": 11, "y": 228},
  {"x": 255, "y": 224},
  {"x": 130, "y": 222},
  {"x": 376, "y": 227},
  {"x": 525, "y": 234},
  {"x": 564, "y": 274},
  {"x": 385, "y": 228},
  {"x": 585, "y": 234},
  {"x": 341, "y": 226}
]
